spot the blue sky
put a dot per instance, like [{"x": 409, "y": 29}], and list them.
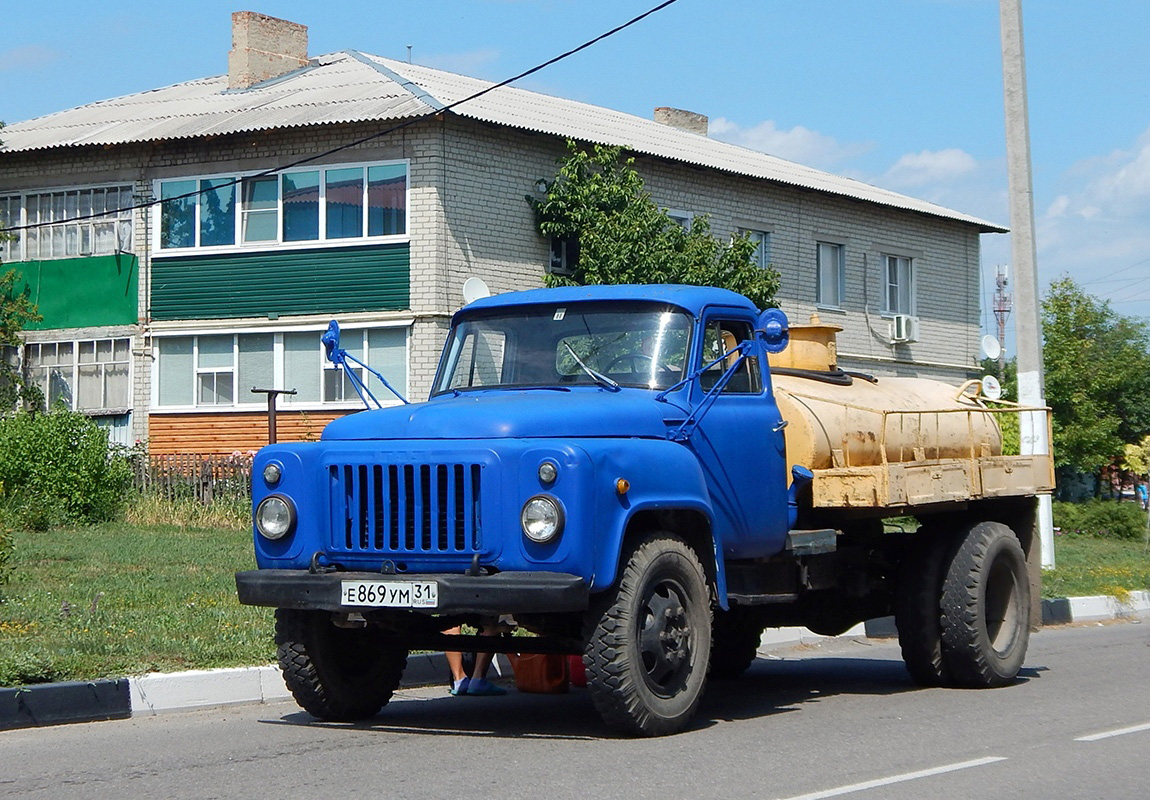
[{"x": 904, "y": 94}]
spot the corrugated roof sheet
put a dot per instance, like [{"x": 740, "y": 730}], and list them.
[{"x": 356, "y": 87}]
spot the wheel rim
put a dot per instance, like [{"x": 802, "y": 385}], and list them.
[
  {"x": 665, "y": 638},
  {"x": 1003, "y": 612}
]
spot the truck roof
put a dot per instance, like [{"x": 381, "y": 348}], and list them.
[{"x": 690, "y": 298}]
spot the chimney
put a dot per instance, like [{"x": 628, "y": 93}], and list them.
[
  {"x": 263, "y": 48},
  {"x": 684, "y": 120}
]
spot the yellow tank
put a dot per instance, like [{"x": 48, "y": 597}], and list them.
[
  {"x": 833, "y": 425},
  {"x": 847, "y": 426}
]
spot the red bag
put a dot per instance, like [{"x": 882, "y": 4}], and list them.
[
  {"x": 576, "y": 671},
  {"x": 543, "y": 673}
]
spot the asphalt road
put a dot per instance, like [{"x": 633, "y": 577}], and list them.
[{"x": 835, "y": 720}]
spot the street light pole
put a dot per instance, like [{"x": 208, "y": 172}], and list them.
[{"x": 1027, "y": 321}]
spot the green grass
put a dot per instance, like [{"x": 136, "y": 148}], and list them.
[
  {"x": 116, "y": 600},
  {"x": 1094, "y": 565}
]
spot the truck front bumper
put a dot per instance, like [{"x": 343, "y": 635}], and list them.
[{"x": 501, "y": 593}]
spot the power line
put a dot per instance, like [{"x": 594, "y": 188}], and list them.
[{"x": 357, "y": 142}]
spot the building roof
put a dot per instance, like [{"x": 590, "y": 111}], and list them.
[{"x": 350, "y": 87}]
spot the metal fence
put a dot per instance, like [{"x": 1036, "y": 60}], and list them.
[{"x": 205, "y": 478}]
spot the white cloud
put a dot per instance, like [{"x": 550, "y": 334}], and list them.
[
  {"x": 930, "y": 166},
  {"x": 799, "y": 144}
]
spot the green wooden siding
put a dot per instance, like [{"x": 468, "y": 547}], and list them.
[
  {"x": 81, "y": 292},
  {"x": 271, "y": 284}
]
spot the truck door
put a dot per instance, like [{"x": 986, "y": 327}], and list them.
[{"x": 740, "y": 444}]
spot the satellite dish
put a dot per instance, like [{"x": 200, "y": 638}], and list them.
[
  {"x": 991, "y": 388},
  {"x": 991, "y": 348},
  {"x": 474, "y": 289}
]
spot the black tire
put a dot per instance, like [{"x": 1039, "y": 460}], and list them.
[
  {"x": 986, "y": 608},
  {"x": 735, "y": 637},
  {"x": 649, "y": 639},
  {"x": 918, "y": 610},
  {"x": 336, "y": 674}
]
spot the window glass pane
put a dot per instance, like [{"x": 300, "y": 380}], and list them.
[
  {"x": 261, "y": 209},
  {"x": 829, "y": 274},
  {"x": 215, "y": 351},
  {"x": 215, "y": 388},
  {"x": 87, "y": 352},
  {"x": 177, "y": 217},
  {"x": 301, "y": 206},
  {"x": 90, "y": 386},
  {"x": 302, "y": 366},
  {"x": 344, "y": 203},
  {"x": 387, "y": 353},
  {"x": 256, "y": 366},
  {"x": 386, "y": 199},
  {"x": 175, "y": 371},
  {"x": 217, "y": 212},
  {"x": 337, "y": 386},
  {"x": 117, "y": 387}
]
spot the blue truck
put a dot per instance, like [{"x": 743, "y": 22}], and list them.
[{"x": 643, "y": 476}]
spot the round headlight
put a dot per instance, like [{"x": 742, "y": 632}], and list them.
[
  {"x": 541, "y": 518},
  {"x": 272, "y": 474},
  {"x": 548, "y": 472},
  {"x": 275, "y": 517}
]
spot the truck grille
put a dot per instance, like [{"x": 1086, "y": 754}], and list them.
[{"x": 406, "y": 508}]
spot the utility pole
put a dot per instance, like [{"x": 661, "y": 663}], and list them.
[
  {"x": 1002, "y": 307},
  {"x": 1027, "y": 323}
]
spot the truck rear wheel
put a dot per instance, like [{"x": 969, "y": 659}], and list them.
[
  {"x": 735, "y": 637},
  {"x": 985, "y": 608},
  {"x": 918, "y": 610},
  {"x": 649, "y": 639},
  {"x": 336, "y": 674}
]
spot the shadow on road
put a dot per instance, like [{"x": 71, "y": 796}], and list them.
[{"x": 770, "y": 686}]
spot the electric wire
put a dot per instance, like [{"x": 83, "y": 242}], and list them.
[{"x": 363, "y": 140}]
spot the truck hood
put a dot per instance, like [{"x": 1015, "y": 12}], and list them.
[{"x": 497, "y": 414}]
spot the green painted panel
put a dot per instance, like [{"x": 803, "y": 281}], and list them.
[
  {"x": 337, "y": 280},
  {"x": 81, "y": 292}
]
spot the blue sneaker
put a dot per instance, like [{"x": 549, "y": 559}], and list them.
[
  {"x": 460, "y": 687},
  {"x": 485, "y": 688}
]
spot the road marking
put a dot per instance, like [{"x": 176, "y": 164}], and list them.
[
  {"x": 1094, "y": 737},
  {"x": 906, "y": 776}
]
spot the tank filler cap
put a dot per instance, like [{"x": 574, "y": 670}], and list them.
[{"x": 773, "y": 330}]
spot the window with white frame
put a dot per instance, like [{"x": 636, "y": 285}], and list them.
[
  {"x": 831, "y": 274},
  {"x": 762, "y": 242},
  {"x": 219, "y": 370},
  {"x": 90, "y": 221},
  {"x": 84, "y": 375},
  {"x": 899, "y": 283},
  {"x": 334, "y": 205},
  {"x": 681, "y": 218}
]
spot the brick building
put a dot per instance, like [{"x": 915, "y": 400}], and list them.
[{"x": 159, "y": 320}]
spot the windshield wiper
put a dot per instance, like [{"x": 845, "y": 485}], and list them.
[{"x": 598, "y": 377}]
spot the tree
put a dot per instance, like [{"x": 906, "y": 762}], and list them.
[
  {"x": 598, "y": 205},
  {"x": 1097, "y": 365},
  {"x": 16, "y": 311}
]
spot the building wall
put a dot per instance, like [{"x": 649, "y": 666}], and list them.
[{"x": 468, "y": 217}]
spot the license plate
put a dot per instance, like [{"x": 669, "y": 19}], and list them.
[{"x": 389, "y": 594}]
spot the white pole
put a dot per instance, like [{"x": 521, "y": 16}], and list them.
[{"x": 1027, "y": 321}]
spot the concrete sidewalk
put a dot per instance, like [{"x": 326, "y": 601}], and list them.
[{"x": 156, "y": 693}]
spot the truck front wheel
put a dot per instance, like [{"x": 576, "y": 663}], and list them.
[
  {"x": 336, "y": 674},
  {"x": 649, "y": 639},
  {"x": 985, "y": 608}
]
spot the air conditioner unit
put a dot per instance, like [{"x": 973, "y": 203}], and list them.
[{"x": 903, "y": 328}]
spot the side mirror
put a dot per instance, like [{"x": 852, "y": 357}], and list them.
[
  {"x": 773, "y": 330},
  {"x": 330, "y": 341}
]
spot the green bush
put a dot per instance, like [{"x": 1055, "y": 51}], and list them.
[
  {"x": 1105, "y": 518},
  {"x": 57, "y": 469}
]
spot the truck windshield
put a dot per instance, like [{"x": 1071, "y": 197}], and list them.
[{"x": 633, "y": 344}]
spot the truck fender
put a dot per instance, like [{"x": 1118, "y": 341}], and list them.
[{"x": 671, "y": 496}]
